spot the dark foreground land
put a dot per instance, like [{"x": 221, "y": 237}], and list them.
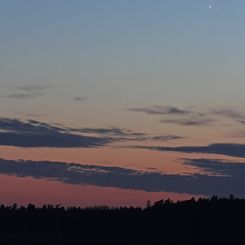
[{"x": 204, "y": 221}]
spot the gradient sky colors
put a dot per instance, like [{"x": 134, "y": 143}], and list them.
[{"x": 144, "y": 87}]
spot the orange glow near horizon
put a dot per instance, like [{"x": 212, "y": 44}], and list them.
[
  {"x": 139, "y": 159},
  {"x": 39, "y": 192}
]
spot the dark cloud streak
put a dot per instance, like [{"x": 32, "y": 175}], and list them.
[
  {"x": 79, "y": 98},
  {"x": 37, "y": 134},
  {"x": 235, "y": 150},
  {"x": 32, "y": 133},
  {"x": 189, "y": 121},
  {"x": 161, "y": 110},
  {"x": 231, "y": 181}
]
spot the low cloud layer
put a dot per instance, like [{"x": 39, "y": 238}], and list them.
[
  {"x": 229, "y": 179},
  {"x": 235, "y": 150}
]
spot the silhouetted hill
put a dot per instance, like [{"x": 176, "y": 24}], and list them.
[{"x": 215, "y": 220}]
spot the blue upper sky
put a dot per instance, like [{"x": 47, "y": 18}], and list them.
[{"x": 124, "y": 53}]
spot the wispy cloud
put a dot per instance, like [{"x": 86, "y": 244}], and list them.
[
  {"x": 26, "y": 91},
  {"x": 228, "y": 113},
  {"x": 178, "y": 116},
  {"x": 23, "y": 96},
  {"x": 79, "y": 98},
  {"x": 31, "y": 88},
  {"x": 166, "y": 137},
  {"x": 192, "y": 117},
  {"x": 161, "y": 110},
  {"x": 125, "y": 134},
  {"x": 108, "y": 131}
]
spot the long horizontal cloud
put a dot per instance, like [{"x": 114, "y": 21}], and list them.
[
  {"x": 161, "y": 110},
  {"x": 228, "y": 113},
  {"x": 32, "y": 133},
  {"x": 231, "y": 181},
  {"x": 191, "y": 117},
  {"x": 35, "y": 134},
  {"x": 218, "y": 167},
  {"x": 235, "y": 150},
  {"x": 31, "y": 88},
  {"x": 189, "y": 121},
  {"x": 107, "y": 131},
  {"x": 121, "y": 134},
  {"x": 23, "y": 95},
  {"x": 26, "y": 91}
]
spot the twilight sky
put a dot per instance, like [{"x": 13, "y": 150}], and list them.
[{"x": 127, "y": 99}]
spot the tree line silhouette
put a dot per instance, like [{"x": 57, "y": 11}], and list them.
[{"x": 215, "y": 220}]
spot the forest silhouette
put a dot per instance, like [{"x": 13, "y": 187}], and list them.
[{"x": 215, "y": 220}]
